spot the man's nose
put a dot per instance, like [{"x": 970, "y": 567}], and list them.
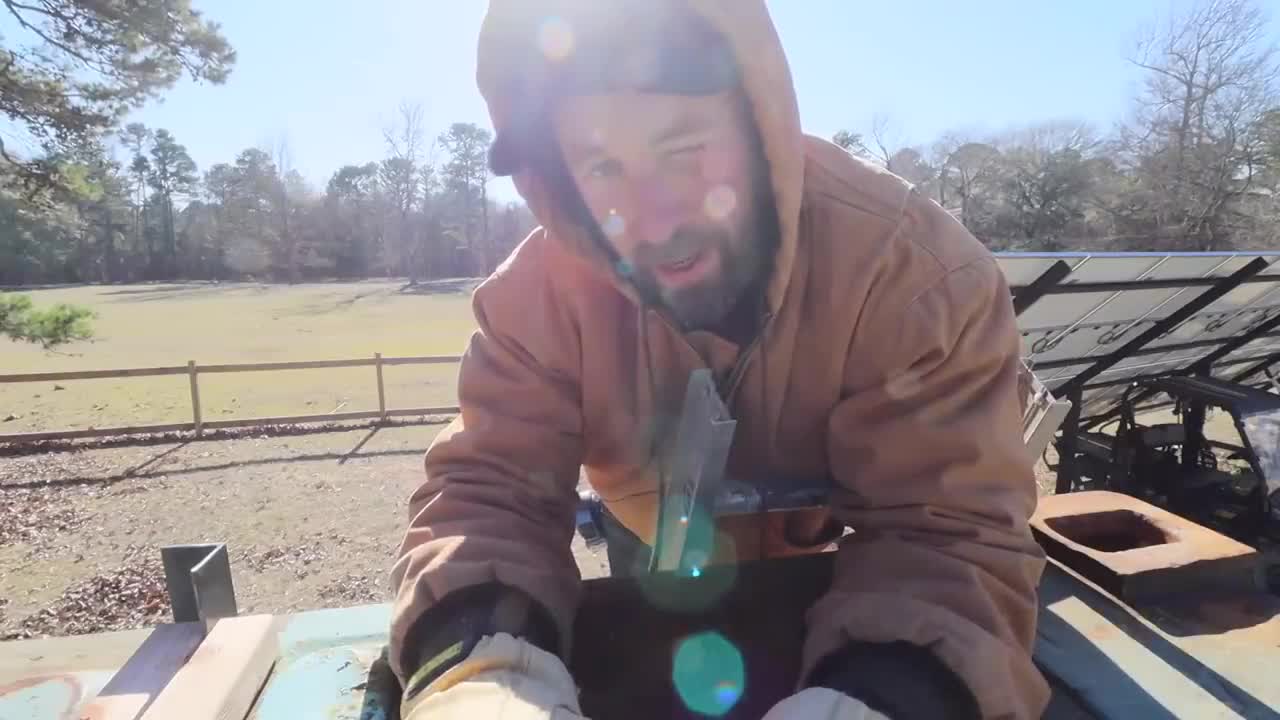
[{"x": 658, "y": 211}]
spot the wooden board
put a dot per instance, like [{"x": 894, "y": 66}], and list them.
[
  {"x": 137, "y": 684},
  {"x": 222, "y": 678}
]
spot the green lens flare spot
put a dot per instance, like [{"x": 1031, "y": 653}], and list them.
[{"x": 709, "y": 674}]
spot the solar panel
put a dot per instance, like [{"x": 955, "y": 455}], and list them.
[{"x": 1106, "y": 319}]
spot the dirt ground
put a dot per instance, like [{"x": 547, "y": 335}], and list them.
[{"x": 310, "y": 522}]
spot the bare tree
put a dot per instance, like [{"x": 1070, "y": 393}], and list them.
[
  {"x": 1045, "y": 184},
  {"x": 1211, "y": 75},
  {"x": 967, "y": 168},
  {"x": 887, "y": 138},
  {"x": 288, "y": 240},
  {"x": 400, "y": 176}
]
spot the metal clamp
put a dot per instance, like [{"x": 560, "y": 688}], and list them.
[{"x": 198, "y": 578}]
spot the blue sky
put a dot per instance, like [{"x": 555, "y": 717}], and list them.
[{"x": 330, "y": 74}]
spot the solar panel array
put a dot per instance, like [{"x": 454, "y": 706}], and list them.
[{"x": 1081, "y": 320}]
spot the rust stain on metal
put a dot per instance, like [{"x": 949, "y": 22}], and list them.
[
  {"x": 70, "y": 712},
  {"x": 1136, "y": 550}
]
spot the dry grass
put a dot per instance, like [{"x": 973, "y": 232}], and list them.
[{"x": 159, "y": 325}]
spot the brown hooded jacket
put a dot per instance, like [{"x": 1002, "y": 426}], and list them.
[{"x": 888, "y": 364}]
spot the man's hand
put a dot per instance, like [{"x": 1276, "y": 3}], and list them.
[
  {"x": 822, "y": 704},
  {"x": 503, "y": 678}
]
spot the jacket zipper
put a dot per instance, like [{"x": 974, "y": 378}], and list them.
[
  {"x": 744, "y": 361},
  {"x": 729, "y": 387}
]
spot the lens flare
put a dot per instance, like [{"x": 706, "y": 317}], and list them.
[
  {"x": 708, "y": 568},
  {"x": 709, "y": 673},
  {"x": 720, "y": 202},
  {"x": 614, "y": 225},
  {"x": 555, "y": 39}
]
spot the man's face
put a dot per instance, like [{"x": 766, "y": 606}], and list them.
[{"x": 673, "y": 183}]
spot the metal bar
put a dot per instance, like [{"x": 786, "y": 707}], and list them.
[
  {"x": 1157, "y": 375},
  {"x": 686, "y": 529},
  {"x": 1206, "y": 363},
  {"x": 1068, "y": 446},
  {"x": 1051, "y": 343},
  {"x": 1161, "y": 284},
  {"x": 195, "y": 398},
  {"x": 382, "y": 393},
  {"x": 1029, "y": 294},
  {"x": 1167, "y": 324},
  {"x": 198, "y": 578},
  {"x": 1259, "y": 331},
  {"x": 1153, "y": 350},
  {"x": 1262, "y": 365}
]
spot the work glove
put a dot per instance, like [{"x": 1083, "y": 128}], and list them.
[
  {"x": 503, "y": 678},
  {"x": 822, "y": 704}
]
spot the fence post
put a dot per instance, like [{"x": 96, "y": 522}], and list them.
[
  {"x": 382, "y": 392},
  {"x": 195, "y": 397}
]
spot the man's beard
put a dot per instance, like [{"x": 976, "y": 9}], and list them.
[{"x": 744, "y": 266}]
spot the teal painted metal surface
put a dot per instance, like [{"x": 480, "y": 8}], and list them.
[
  {"x": 331, "y": 666},
  {"x": 333, "y": 684},
  {"x": 51, "y": 697}
]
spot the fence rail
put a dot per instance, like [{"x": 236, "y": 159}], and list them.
[{"x": 198, "y": 425}]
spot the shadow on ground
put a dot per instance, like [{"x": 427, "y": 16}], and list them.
[{"x": 442, "y": 287}]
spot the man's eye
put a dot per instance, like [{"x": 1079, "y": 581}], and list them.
[
  {"x": 686, "y": 151},
  {"x": 604, "y": 168}
]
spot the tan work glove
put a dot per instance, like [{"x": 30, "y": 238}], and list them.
[
  {"x": 503, "y": 678},
  {"x": 822, "y": 704}
]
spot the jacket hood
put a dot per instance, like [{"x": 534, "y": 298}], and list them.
[{"x": 520, "y": 38}]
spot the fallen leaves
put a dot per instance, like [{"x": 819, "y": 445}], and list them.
[
  {"x": 299, "y": 557},
  {"x": 36, "y": 516},
  {"x": 130, "y": 596},
  {"x": 352, "y": 588}
]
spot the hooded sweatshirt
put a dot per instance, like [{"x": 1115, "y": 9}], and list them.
[{"x": 887, "y": 363}]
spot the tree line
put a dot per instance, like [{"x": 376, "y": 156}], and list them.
[
  {"x": 1194, "y": 167},
  {"x": 422, "y": 211}
]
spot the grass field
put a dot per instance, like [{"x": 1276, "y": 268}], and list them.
[{"x": 158, "y": 325}]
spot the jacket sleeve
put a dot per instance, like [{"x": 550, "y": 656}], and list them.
[
  {"x": 926, "y": 452},
  {"x": 498, "y": 500}
]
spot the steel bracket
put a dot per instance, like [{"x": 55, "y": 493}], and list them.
[{"x": 198, "y": 578}]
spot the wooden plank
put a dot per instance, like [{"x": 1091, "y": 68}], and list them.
[
  {"x": 92, "y": 374},
  {"x": 19, "y": 438},
  {"x": 382, "y": 390},
  {"x": 195, "y": 396},
  {"x": 423, "y": 360},
  {"x": 76, "y": 653},
  {"x": 137, "y": 684},
  {"x": 223, "y": 677},
  {"x": 226, "y": 368},
  {"x": 414, "y": 412},
  {"x": 300, "y": 365},
  {"x": 293, "y": 420},
  {"x": 93, "y": 433}
]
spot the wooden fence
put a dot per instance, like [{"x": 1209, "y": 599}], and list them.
[{"x": 198, "y": 425}]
